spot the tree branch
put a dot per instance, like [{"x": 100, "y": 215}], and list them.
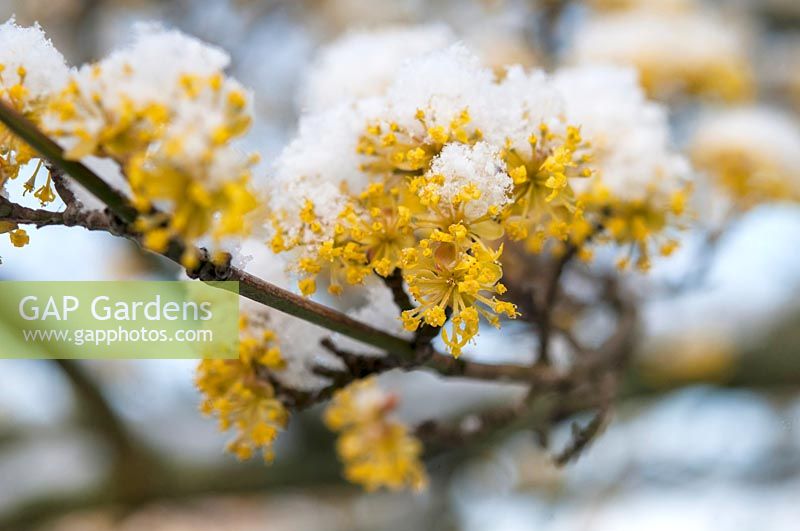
[{"x": 250, "y": 287}]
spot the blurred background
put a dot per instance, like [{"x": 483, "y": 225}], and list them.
[{"x": 706, "y": 433}]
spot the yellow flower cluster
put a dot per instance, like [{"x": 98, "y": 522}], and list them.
[
  {"x": 544, "y": 203},
  {"x": 403, "y": 221},
  {"x": 174, "y": 158},
  {"x": 729, "y": 80},
  {"x": 626, "y": 5},
  {"x": 14, "y": 153},
  {"x": 376, "y": 450},
  {"x": 237, "y": 393},
  {"x": 444, "y": 240},
  {"x": 747, "y": 176},
  {"x": 19, "y": 237},
  {"x": 637, "y": 226},
  {"x": 678, "y": 50}
]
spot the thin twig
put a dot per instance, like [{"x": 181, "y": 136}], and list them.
[
  {"x": 545, "y": 316},
  {"x": 582, "y": 436},
  {"x": 64, "y": 192}
]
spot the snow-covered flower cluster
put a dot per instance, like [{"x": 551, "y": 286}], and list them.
[
  {"x": 163, "y": 109},
  {"x": 31, "y": 72},
  {"x": 751, "y": 153},
  {"x": 427, "y": 177},
  {"x": 676, "y": 52},
  {"x": 377, "y": 450},
  {"x": 642, "y": 183}
]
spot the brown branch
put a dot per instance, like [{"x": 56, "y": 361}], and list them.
[
  {"x": 395, "y": 283},
  {"x": 64, "y": 191},
  {"x": 176, "y": 482},
  {"x": 250, "y": 286},
  {"x": 468, "y": 428},
  {"x": 71, "y": 217},
  {"x": 356, "y": 365},
  {"x": 583, "y": 436},
  {"x": 425, "y": 334},
  {"x": 537, "y": 375},
  {"x": 545, "y": 316}
]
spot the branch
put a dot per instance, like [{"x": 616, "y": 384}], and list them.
[
  {"x": 106, "y": 420},
  {"x": 250, "y": 287},
  {"x": 357, "y": 365},
  {"x": 121, "y": 215},
  {"x": 395, "y": 283},
  {"x": 71, "y": 217},
  {"x": 51, "y": 151},
  {"x": 534, "y": 374},
  {"x": 64, "y": 191},
  {"x": 426, "y": 333},
  {"x": 545, "y": 316},
  {"x": 179, "y": 482}
]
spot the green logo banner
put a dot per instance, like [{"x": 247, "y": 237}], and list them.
[{"x": 124, "y": 320}]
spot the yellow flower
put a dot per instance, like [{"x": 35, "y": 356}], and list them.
[
  {"x": 445, "y": 278},
  {"x": 544, "y": 203},
  {"x": 411, "y": 218},
  {"x": 189, "y": 169},
  {"x": 14, "y": 152},
  {"x": 640, "y": 226},
  {"x": 19, "y": 238},
  {"x": 748, "y": 177},
  {"x": 390, "y": 147},
  {"x": 376, "y": 450},
  {"x": 237, "y": 394}
]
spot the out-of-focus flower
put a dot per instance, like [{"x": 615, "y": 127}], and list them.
[
  {"x": 654, "y": 5},
  {"x": 751, "y": 153},
  {"x": 377, "y": 451},
  {"x": 642, "y": 183},
  {"x": 497, "y": 30},
  {"x": 676, "y": 53},
  {"x": 164, "y": 110},
  {"x": 237, "y": 392},
  {"x": 698, "y": 357},
  {"x": 364, "y": 63}
]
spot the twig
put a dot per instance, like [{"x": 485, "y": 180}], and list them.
[
  {"x": 64, "y": 191},
  {"x": 395, "y": 283},
  {"x": 582, "y": 436},
  {"x": 545, "y": 316},
  {"x": 91, "y": 220},
  {"x": 535, "y": 375},
  {"x": 425, "y": 334}
]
